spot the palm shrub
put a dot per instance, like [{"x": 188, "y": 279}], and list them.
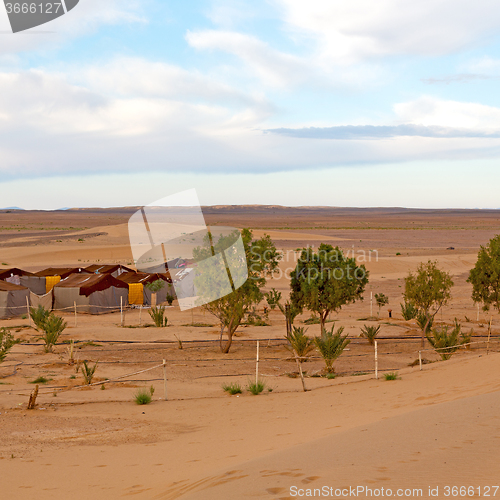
[
  {"x": 409, "y": 311},
  {"x": 331, "y": 345},
  {"x": 256, "y": 387},
  {"x": 422, "y": 320},
  {"x": 300, "y": 343},
  {"x": 233, "y": 388},
  {"x": 7, "y": 341},
  {"x": 157, "y": 314},
  {"x": 143, "y": 397},
  {"x": 39, "y": 316},
  {"x": 272, "y": 298},
  {"x": 52, "y": 328},
  {"x": 445, "y": 343},
  {"x": 88, "y": 371},
  {"x": 370, "y": 332}
]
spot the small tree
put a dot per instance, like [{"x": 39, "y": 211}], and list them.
[
  {"x": 154, "y": 287},
  {"x": 261, "y": 260},
  {"x": 7, "y": 342},
  {"x": 39, "y": 316},
  {"x": 485, "y": 276},
  {"x": 382, "y": 300},
  {"x": 52, "y": 328},
  {"x": 326, "y": 280},
  {"x": 290, "y": 311},
  {"x": 331, "y": 346},
  {"x": 429, "y": 289},
  {"x": 273, "y": 298},
  {"x": 300, "y": 343}
]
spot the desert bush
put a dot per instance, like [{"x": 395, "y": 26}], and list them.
[
  {"x": 7, "y": 342},
  {"x": 382, "y": 300},
  {"x": 272, "y": 298},
  {"x": 370, "y": 332},
  {"x": 391, "y": 376},
  {"x": 300, "y": 343},
  {"x": 233, "y": 388},
  {"x": 158, "y": 316},
  {"x": 255, "y": 319},
  {"x": 445, "y": 342},
  {"x": 40, "y": 380},
  {"x": 170, "y": 299},
  {"x": 422, "y": 320},
  {"x": 409, "y": 311},
  {"x": 88, "y": 371},
  {"x": 256, "y": 387},
  {"x": 52, "y": 328},
  {"x": 330, "y": 376},
  {"x": 39, "y": 316},
  {"x": 143, "y": 397},
  {"x": 331, "y": 346}
]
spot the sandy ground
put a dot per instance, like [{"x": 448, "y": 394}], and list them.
[{"x": 432, "y": 428}]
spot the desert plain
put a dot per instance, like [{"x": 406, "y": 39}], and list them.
[{"x": 428, "y": 430}]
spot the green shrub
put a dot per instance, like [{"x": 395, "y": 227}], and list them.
[
  {"x": 155, "y": 286},
  {"x": 391, "y": 376},
  {"x": 331, "y": 346},
  {"x": 39, "y": 316},
  {"x": 40, "y": 380},
  {"x": 445, "y": 343},
  {"x": 143, "y": 397},
  {"x": 7, "y": 342},
  {"x": 370, "y": 332},
  {"x": 330, "y": 376},
  {"x": 272, "y": 298},
  {"x": 52, "y": 328},
  {"x": 158, "y": 315},
  {"x": 409, "y": 311},
  {"x": 256, "y": 387},
  {"x": 88, "y": 371},
  {"x": 170, "y": 299},
  {"x": 233, "y": 388},
  {"x": 300, "y": 343},
  {"x": 382, "y": 300}
]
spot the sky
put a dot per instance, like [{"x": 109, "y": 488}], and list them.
[{"x": 325, "y": 102}]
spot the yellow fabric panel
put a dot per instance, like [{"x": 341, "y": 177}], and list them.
[
  {"x": 50, "y": 282},
  {"x": 136, "y": 294}
]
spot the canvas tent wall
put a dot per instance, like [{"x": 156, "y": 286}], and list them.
[
  {"x": 92, "y": 293},
  {"x": 13, "y": 300},
  {"x": 114, "y": 269},
  {"x": 17, "y": 276},
  {"x": 13, "y": 275},
  {"x": 133, "y": 279},
  {"x": 52, "y": 275}
]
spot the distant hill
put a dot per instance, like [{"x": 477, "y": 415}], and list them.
[{"x": 12, "y": 208}]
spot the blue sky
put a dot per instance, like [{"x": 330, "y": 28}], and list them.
[{"x": 359, "y": 103}]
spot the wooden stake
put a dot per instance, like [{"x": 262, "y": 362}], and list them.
[
  {"x": 28, "y": 306},
  {"x": 140, "y": 315},
  {"x": 489, "y": 335},
  {"x": 257, "y": 365},
  {"x": 165, "y": 378},
  {"x": 76, "y": 322},
  {"x": 420, "y": 359},
  {"x": 371, "y": 304},
  {"x": 32, "y": 400},
  {"x": 121, "y": 311},
  {"x": 376, "y": 361}
]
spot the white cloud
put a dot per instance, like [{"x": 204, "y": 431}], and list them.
[
  {"x": 430, "y": 111},
  {"x": 347, "y": 32}
]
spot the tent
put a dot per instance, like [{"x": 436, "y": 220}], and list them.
[
  {"x": 92, "y": 293},
  {"x": 140, "y": 294},
  {"x": 115, "y": 270},
  {"x": 53, "y": 275},
  {"x": 17, "y": 276},
  {"x": 13, "y": 300},
  {"x": 13, "y": 275}
]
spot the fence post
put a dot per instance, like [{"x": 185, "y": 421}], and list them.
[
  {"x": 257, "y": 365},
  {"x": 371, "y": 304},
  {"x": 165, "y": 378},
  {"x": 76, "y": 321},
  {"x": 28, "y": 306},
  {"x": 140, "y": 315},
  {"x": 420, "y": 359},
  {"x": 376, "y": 361},
  {"x": 121, "y": 311}
]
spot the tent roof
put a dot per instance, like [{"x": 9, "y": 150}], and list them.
[
  {"x": 5, "y": 286},
  {"x": 63, "y": 272},
  {"x": 107, "y": 268},
  {"x": 7, "y": 273},
  {"x": 90, "y": 283},
  {"x": 144, "y": 278}
]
